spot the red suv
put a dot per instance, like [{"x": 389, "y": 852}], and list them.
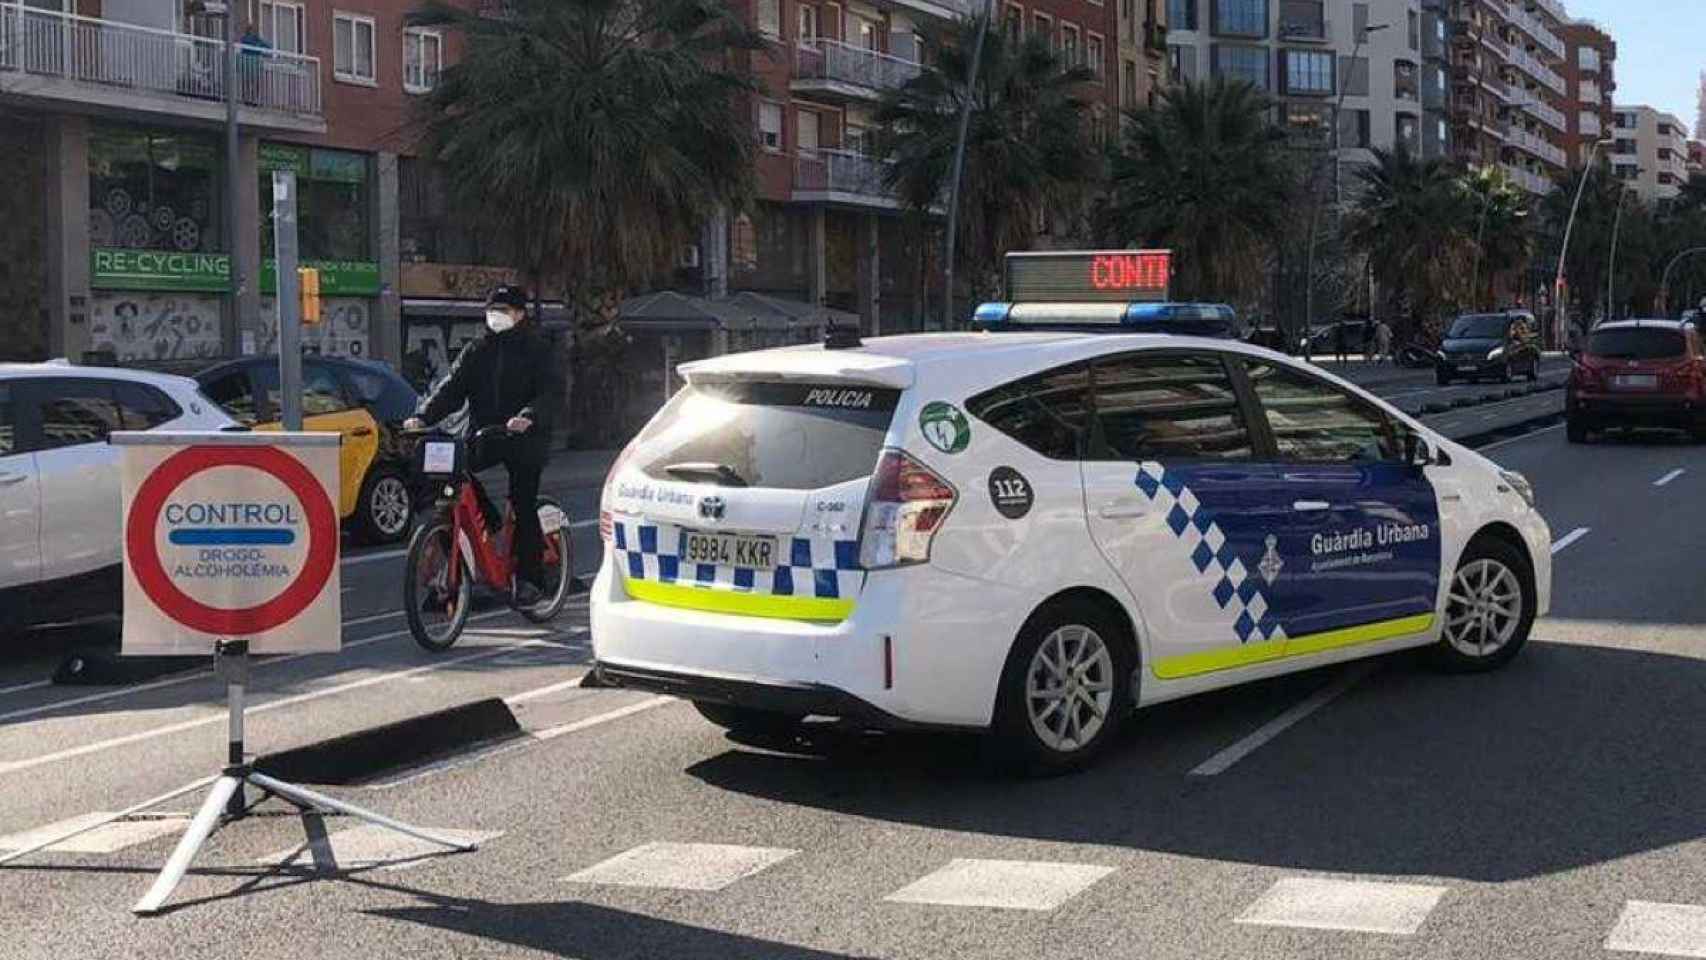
[{"x": 1638, "y": 373}]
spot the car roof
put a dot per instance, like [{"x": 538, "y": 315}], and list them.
[
  {"x": 57, "y": 368},
  {"x": 940, "y": 359},
  {"x": 1655, "y": 323}
]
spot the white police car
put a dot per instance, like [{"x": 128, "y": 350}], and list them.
[{"x": 1034, "y": 532}]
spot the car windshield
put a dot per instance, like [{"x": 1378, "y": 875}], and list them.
[
  {"x": 1635, "y": 343},
  {"x": 1478, "y": 328}
]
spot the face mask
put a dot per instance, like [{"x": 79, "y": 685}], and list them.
[{"x": 499, "y": 320}]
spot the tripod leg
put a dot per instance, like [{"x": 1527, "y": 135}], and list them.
[
  {"x": 290, "y": 791},
  {"x": 199, "y": 829},
  {"x": 128, "y": 811}
]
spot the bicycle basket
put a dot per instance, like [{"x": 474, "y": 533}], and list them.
[{"x": 440, "y": 457}]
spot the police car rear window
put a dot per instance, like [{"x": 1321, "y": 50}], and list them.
[{"x": 791, "y": 436}]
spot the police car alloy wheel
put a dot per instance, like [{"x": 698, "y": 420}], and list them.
[
  {"x": 1066, "y": 690},
  {"x": 1489, "y": 608}
]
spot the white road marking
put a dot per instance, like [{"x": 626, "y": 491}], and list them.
[
  {"x": 682, "y": 866},
  {"x": 1569, "y": 538},
  {"x": 1317, "y": 903},
  {"x": 20, "y": 688},
  {"x": 109, "y": 838},
  {"x": 17, "y": 766},
  {"x": 1002, "y": 884},
  {"x": 1527, "y": 436},
  {"x": 538, "y": 692},
  {"x": 374, "y": 846},
  {"x": 1671, "y": 929},
  {"x": 202, "y": 674},
  {"x": 1223, "y": 761},
  {"x": 1679, "y": 471},
  {"x": 551, "y": 733},
  {"x": 376, "y": 557}
]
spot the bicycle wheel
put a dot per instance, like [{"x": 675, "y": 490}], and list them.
[
  {"x": 557, "y": 567},
  {"x": 436, "y": 613}
]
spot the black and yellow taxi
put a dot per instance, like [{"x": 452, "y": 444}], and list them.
[{"x": 364, "y": 401}]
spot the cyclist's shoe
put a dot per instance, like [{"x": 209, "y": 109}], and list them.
[{"x": 526, "y": 593}]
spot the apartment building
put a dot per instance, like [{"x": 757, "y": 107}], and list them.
[
  {"x": 1589, "y": 81},
  {"x": 1306, "y": 53},
  {"x": 1696, "y": 157},
  {"x": 1650, "y": 151},
  {"x": 1507, "y": 84}
]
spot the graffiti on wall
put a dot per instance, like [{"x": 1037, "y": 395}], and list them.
[
  {"x": 154, "y": 326},
  {"x": 345, "y": 329}
]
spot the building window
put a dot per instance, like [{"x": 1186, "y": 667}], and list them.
[
  {"x": 868, "y": 34},
  {"x": 352, "y": 36},
  {"x": 1181, "y": 14},
  {"x": 1181, "y": 63},
  {"x": 770, "y": 125},
  {"x": 1044, "y": 28},
  {"x": 1128, "y": 84},
  {"x": 1407, "y": 132},
  {"x": 1354, "y": 75},
  {"x": 1308, "y": 72},
  {"x": 1093, "y": 53},
  {"x": 1242, "y": 63},
  {"x": 806, "y": 133},
  {"x": 333, "y": 200},
  {"x": 423, "y": 59},
  {"x": 1015, "y": 23},
  {"x": 1243, "y": 18},
  {"x": 1069, "y": 45},
  {"x": 282, "y": 26},
  {"x": 1415, "y": 31},
  {"x": 154, "y": 190},
  {"x": 1307, "y": 121},
  {"x": 808, "y": 24},
  {"x": 770, "y": 18},
  {"x": 1354, "y": 129}
]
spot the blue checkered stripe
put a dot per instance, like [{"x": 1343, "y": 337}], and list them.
[
  {"x": 1236, "y": 589},
  {"x": 808, "y": 567}
]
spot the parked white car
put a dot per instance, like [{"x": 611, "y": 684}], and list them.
[{"x": 59, "y": 487}]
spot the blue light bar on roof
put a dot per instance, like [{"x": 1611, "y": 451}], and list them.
[{"x": 1189, "y": 319}]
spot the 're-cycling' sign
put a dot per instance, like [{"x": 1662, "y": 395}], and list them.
[{"x": 230, "y": 536}]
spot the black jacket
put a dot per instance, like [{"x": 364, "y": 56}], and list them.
[{"x": 503, "y": 375}]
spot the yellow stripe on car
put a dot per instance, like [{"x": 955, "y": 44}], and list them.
[
  {"x": 722, "y": 600},
  {"x": 1249, "y": 654}
]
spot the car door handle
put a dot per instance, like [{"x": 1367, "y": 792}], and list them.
[
  {"x": 1310, "y": 506},
  {"x": 1114, "y": 511},
  {"x": 361, "y": 432}
]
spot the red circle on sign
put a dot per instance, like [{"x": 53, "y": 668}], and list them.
[{"x": 151, "y": 575}]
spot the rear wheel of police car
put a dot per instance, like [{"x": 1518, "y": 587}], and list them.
[
  {"x": 1489, "y": 608},
  {"x": 436, "y": 611},
  {"x": 1066, "y": 689}
]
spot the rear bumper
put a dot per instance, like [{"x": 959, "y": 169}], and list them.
[
  {"x": 797, "y": 699},
  {"x": 1638, "y": 410},
  {"x": 1474, "y": 366}
]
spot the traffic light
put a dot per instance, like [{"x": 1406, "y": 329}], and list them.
[{"x": 308, "y": 288}]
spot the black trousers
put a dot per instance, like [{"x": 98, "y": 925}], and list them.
[{"x": 524, "y": 471}]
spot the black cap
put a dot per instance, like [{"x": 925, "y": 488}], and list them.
[{"x": 507, "y": 296}]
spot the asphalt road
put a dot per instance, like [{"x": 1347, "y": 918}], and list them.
[{"x": 1545, "y": 811}]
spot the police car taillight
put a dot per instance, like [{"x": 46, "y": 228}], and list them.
[{"x": 907, "y": 505}]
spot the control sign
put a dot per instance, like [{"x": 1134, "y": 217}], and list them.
[
  {"x": 230, "y": 536},
  {"x": 1089, "y": 276}
]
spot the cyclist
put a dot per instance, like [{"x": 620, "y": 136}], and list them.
[{"x": 508, "y": 379}]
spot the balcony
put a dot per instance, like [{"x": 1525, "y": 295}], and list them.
[
  {"x": 1539, "y": 71},
  {"x": 1532, "y": 26},
  {"x": 1553, "y": 7},
  {"x": 1538, "y": 146},
  {"x": 1587, "y": 60},
  {"x": 59, "y": 59},
  {"x": 834, "y": 69},
  {"x": 843, "y": 178},
  {"x": 944, "y": 10},
  {"x": 1545, "y": 113},
  {"x": 1590, "y": 125},
  {"x": 1306, "y": 30},
  {"x": 1532, "y": 182},
  {"x": 1589, "y": 93}
]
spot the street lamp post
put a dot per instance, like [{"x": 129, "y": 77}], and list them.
[
  {"x": 1611, "y": 263},
  {"x": 1564, "y": 248},
  {"x": 1315, "y": 206},
  {"x": 222, "y": 9},
  {"x": 959, "y": 165},
  {"x": 1664, "y": 282}
]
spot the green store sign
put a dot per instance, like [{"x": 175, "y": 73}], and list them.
[
  {"x": 313, "y": 163},
  {"x": 164, "y": 270}
]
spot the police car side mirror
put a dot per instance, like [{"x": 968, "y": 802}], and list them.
[{"x": 1418, "y": 454}]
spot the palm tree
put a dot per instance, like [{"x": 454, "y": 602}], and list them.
[
  {"x": 1590, "y": 240},
  {"x": 1503, "y": 241},
  {"x": 1028, "y": 150},
  {"x": 1415, "y": 221},
  {"x": 600, "y": 134},
  {"x": 1205, "y": 173}
]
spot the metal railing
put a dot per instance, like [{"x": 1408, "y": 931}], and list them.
[
  {"x": 1590, "y": 124},
  {"x": 1533, "y": 183},
  {"x": 1539, "y": 146},
  {"x": 823, "y": 59},
  {"x": 1539, "y": 71},
  {"x": 106, "y": 53},
  {"x": 1546, "y": 113},
  {"x": 1318, "y": 29},
  {"x": 1532, "y": 26},
  {"x": 841, "y": 171}
]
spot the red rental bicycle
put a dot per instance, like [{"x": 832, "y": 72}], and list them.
[{"x": 453, "y": 552}]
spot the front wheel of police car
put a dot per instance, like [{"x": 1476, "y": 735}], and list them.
[
  {"x": 1065, "y": 691},
  {"x": 1489, "y": 610}
]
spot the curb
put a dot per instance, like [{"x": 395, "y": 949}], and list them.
[{"x": 363, "y": 754}]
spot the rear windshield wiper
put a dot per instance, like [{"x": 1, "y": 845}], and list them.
[{"x": 722, "y": 473}]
